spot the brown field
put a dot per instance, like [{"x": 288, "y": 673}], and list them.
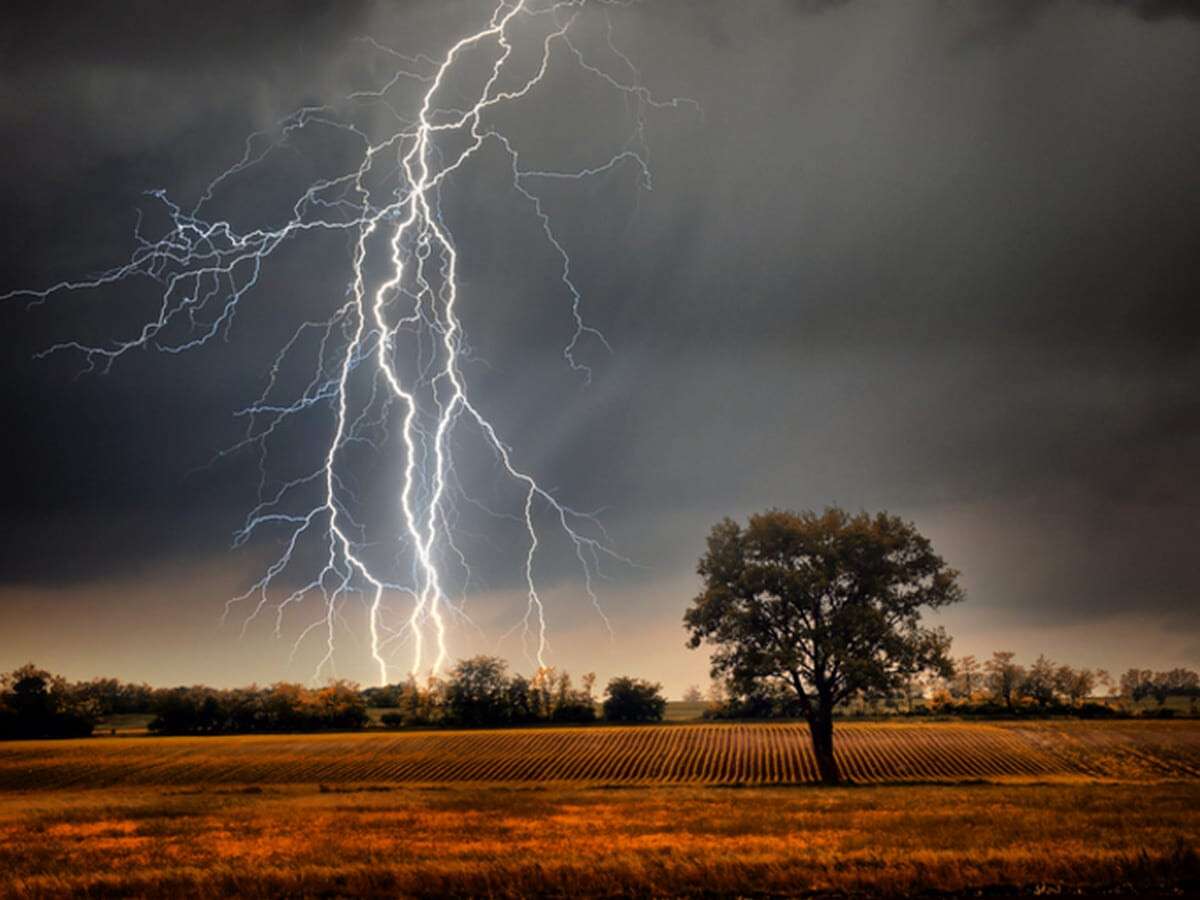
[
  {"x": 667, "y": 810},
  {"x": 716, "y": 754},
  {"x": 570, "y": 841}
]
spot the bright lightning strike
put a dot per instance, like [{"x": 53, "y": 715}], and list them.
[{"x": 391, "y": 354}]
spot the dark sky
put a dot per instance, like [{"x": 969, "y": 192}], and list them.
[{"x": 938, "y": 258}]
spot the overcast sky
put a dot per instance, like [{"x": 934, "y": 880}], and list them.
[{"x": 936, "y": 258}]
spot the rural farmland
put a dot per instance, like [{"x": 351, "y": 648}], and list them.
[
  {"x": 702, "y": 754},
  {"x": 153, "y": 833},
  {"x": 600, "y": 449}
]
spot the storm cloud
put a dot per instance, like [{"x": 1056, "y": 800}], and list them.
[{"x": 936, "y": 258}]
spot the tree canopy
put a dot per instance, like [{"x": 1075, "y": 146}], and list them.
[
  {"x": 633, "y": 700},
  {"x": 37, "y": 704},
  {"x": 821, "y": 606}
]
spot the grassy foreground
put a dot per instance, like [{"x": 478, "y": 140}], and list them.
[{"x": 670, "y": 840}]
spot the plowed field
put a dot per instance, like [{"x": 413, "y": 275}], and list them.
[{"x": 681, "y": 754}]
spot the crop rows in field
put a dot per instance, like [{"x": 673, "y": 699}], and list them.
[{"x": 699, "y": 754}]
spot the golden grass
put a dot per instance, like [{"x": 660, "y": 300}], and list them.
[
  {"x": 669, "y": 810},
  {"x": 668, "y": 754},
  {"x": 518, "y": 841}
]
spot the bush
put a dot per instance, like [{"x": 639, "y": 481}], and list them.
[{"x": 633, "y": 700}]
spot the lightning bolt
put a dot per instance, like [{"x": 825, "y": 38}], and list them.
[{"x": 394, "y": 346}]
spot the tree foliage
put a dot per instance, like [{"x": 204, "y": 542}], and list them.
[
  {"x": 633, "y": 700},
  {"x": 1039, "y": 683},
  {"x": 480, "y": 692},
  {"x": 338, "y": 705},
  {"x": 823, "y": 606},
  {"x": 1140, "y": 684},
  {"x": 477, "y": 692},
  {"x": 37, "y": 704},
  {"x": 1004, "y": 677}
]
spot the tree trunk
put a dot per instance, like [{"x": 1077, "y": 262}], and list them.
[{"x": 820, "y": 725}]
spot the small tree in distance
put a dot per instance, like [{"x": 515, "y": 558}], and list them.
[
  {"x": 1004, "y": 677},
  {"x": 475, "y": 692},
  {"x": 823, "y": 607},
  {"x": 633, "y": 700},
  {"x": 967, "y": 678},
  {"x": 1040, "y": 682},
  {"x": 1076, "y": 685}
]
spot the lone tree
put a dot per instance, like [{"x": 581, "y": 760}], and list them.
[{"x": 821, "y": 606}]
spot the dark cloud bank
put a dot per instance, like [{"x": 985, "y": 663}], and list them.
[{"x": 933, "y": 257}]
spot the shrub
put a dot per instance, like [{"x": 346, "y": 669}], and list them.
[
  {"x": 576, "y": 711},
  {"x": 633, "y": 700}
]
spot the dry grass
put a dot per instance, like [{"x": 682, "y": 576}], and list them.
[
  {"x": 514, "y": 841},
  {"x": 605, "y": 811},
  {"x": 669, "y": 754}
]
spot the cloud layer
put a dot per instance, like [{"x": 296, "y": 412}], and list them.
[{"x": 935, "y": 258}]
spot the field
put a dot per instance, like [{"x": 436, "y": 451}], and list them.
[
  {"x": 668, "y": 810},
  {"x": 711, "y": 754}
]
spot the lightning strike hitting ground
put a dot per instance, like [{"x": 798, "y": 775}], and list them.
[{"x": 398, "y": 324}]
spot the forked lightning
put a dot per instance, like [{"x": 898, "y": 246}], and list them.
[{"x": 391, "y": 354}]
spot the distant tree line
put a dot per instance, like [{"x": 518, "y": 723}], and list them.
[
  {"x": 1003, "y": 684},
  {"x": 1141, "y": 684},
  {"x": 999, "y": 686},
  {"x": 477, "y": 692},
  {"x": 481, "y": 692},
  {"x": 281, "y": 707},
  {"x": 112, "y": 697}
]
